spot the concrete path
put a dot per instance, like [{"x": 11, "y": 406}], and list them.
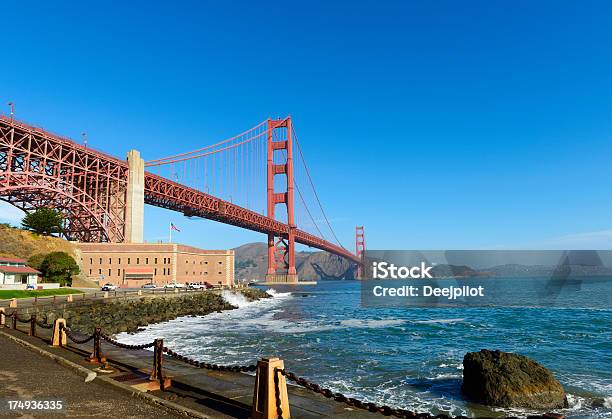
[
  {"x": 25, "y": 375},
  {"x": 213, "y": 393}
]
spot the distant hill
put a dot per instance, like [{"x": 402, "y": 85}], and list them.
[
  {"x": 19, "y": 243},
  {"x": 252, "y": 264}
]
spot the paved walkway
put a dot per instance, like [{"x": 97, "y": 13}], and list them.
[
  {"x": 25, "y": 375},
  {"x": 214, "y": 393}
]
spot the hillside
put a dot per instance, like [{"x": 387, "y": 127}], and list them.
[
  {"x": 252, "y": 263},
  {"x": 23, "y": 244}
]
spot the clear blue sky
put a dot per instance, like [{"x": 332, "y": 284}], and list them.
[{"x": 435, "y": 124}]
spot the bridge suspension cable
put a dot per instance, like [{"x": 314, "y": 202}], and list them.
[
  {"x": 235, "y": 170},
  {"x": 316, "y": 195}
]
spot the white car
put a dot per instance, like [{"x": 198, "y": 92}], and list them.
[
  {"x": 109, "y": 287},
  {"x": 179, "y": 285},
  {"x": 169, "y": 285},
  {"x": 194, "y": 286}
]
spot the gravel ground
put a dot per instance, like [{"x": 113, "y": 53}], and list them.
[{"x": 25, "y": 375}]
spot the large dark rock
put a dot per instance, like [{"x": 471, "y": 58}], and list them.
[{"x": 504, "y": 379}]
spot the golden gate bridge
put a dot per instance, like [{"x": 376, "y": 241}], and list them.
[{"x": 241, "y": 181}]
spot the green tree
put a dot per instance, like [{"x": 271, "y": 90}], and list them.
[
  {"x": 43, "y": 221},
  {"x": 59, "y": 267},
  {"x": 35, "y": 261}
]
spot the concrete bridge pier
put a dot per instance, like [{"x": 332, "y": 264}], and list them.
[{"x": 134, "y": 212}]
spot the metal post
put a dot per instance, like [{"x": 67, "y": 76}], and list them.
[
  {"x": 14, "y": 320},
  {"x": 158, "y": 360},
  {"x": 2, "y": 317},
  {"x": 96, "y": 356},
  {"x": 32, "y": 325}
]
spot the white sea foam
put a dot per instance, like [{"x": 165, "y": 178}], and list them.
[
  {"x": 441, "y": 321},
  {"x": 574, "y": 402},
  {"x": 608, "y": 402},
  {"x": 277, "y": 294},
  {"x": 235, "y": 298},
  {"x": 371, "y": 323}
]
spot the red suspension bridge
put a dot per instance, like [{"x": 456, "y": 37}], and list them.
[{"x": 239, "y": 181}]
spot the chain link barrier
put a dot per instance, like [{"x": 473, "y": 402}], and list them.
[
  {"x": 16, "y": 317},
  {"x": 125, "y": 345},
  {"x": 74, "y": 338},
  {"x": 206, "y": 365},
  {"x": 44, "y": 325},
  {"x": 279, "y": 409},
  {"x": 341, "y": 398}
]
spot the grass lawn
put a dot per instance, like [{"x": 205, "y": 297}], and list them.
[{"x": 6, "y": 294}]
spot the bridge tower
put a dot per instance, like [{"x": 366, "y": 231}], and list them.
[
  {"x": 281, "y": 250},
  {"x": 360, "y": 249}
]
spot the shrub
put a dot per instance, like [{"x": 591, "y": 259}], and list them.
[{"x": 59, "y": 267}]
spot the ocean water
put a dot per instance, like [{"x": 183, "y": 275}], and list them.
[{"x": 408, "y": 357}]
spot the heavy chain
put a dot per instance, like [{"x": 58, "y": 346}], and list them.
[
  {"x": 16, "y": 316},
  {"x": 205, "y": 365},
  {"x": 44, "y": 325},
  {"x": 371, "y": 407},
  {"x": 279, "y": 408},
  {"x": 124, "y": 345},
  {"x": 75, "y": 339}
]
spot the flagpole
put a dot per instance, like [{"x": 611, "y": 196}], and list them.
[{"x": 170, "y": 233}]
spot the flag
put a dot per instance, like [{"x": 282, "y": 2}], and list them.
[{"x": 173, "y": 227}]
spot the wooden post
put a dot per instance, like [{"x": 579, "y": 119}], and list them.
[
  {"x": 139, "y": 292},
  {"x": 264, "y": 396},
  {"x": 69, "y": 298},
  {"x": 13, "y": 303},
  {"x": 59, "y": 334},
  {"x": 105, "y": 294},
  {"x": 2, "y": 317}
]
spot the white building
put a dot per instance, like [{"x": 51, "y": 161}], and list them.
[{"x": 14, "y": 274}]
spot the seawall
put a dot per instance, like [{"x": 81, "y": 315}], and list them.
[{"x": 115, "y": 316}]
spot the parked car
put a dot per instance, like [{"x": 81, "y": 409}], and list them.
[
  {"x": 109, "y": 287},
  {"x": 207, "y": 285},
  {"x": 179, "y": 285},
  {"x": 149, "y": 286},
  {"x": 169, "y": 285},
  {"x": 194, "y": 286},
  {"x": 30, "y": 287}
]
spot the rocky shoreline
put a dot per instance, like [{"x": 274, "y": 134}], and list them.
[{"x": 117, "y": 316}]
